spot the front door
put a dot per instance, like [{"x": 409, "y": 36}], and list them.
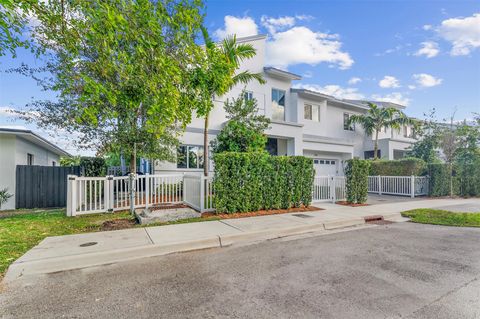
[{"x": 325, "y": 167}]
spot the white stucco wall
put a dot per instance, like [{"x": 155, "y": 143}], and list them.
[
  {"x": 13, "y": 152},
  {"x": 7, "y": 167}
]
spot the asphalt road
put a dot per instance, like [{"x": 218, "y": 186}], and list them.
[{"x": 390, "y": 271}]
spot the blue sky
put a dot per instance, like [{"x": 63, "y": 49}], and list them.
[{"x": 423, "y": 54}]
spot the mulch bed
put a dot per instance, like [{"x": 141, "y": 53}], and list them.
[
  {"x": 262, "y": 212},
  {"x": 117, "y": 224},
  {"x": 344, "y": 203}
]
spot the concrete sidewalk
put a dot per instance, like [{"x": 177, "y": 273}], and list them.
[{"x": 62, "y": 253}]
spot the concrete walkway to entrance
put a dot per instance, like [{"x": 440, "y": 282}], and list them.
[{"x": 69, "y": 252}]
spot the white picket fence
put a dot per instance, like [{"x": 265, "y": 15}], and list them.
[
  {"x": 328, "y": 189},
  {"x": 398, "y": 185},
  {"x": 88, "y": 195}
]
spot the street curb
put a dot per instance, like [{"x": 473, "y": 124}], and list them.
[
  {"x": 58, "y": 264},
  {"x": 342, "y": 223}
]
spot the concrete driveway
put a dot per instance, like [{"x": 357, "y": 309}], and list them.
[{"x": 390, "y": 271}]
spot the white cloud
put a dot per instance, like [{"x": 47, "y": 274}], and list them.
[
  {"x": 429, "y": 49},
  {"x": 307, "y": 74},
  {"x": 427, "y": 27},
  {"x": 462, "y": 33},
  {"x": 354, "y": 80},
  {"x": 412, "y": 87},
  {"x": 333, "y": 90},
  {"x": 274, "y": 24},
  {"x": 389, "y": 81},
  {"x": 242, "y": 27},
  {"x": 395, "y": 97},
  {"x": 302, "y": 45},
  {"x": 427, "y": 80}
]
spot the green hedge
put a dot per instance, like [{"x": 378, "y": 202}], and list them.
[
  {"x": 402, "y": 167},
  {"x": 465, "y": 179},
  {"x": 93, "y": 166},
  {"x": 246, "y": 182},
  {"x": 356, "y": 173}
]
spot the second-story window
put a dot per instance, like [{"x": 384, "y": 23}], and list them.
[
  {"x": 278, "y": 105},
  {"x": 346, "y": 125},
  {"x": 312, "y": 112},
  {"x": 248, "y": 95}
]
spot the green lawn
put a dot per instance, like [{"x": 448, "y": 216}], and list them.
[
  {"x": 20, "y": 233},
  {"x": 443, "y": 217}
]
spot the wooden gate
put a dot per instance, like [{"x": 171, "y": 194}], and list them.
[{"x": 42, "y": 186}]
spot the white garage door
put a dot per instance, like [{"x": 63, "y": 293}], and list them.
[{"x": 325, "y": 167}]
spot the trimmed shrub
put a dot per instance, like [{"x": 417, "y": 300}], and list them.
[
  {"x": 440, "y": 176},
  {"x": 246, "y": 182},
  {"x": 402, "y": 167},
  {"x": 93, "y": 166},
  {"x": 356, "y": 173},
  {"x": 467, "y": 179}
]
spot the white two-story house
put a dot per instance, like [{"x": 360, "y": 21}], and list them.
[{"x": 303, "y": 122}]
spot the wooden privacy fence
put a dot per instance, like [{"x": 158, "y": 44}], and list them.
[
  {"x": 328, "y": 189},
  {"x": 42, "y": 186},
  {"x": 88, "y": 195},
  {"x": 398, "y": 185}
]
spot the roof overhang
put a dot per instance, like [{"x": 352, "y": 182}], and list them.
[
  {"x": 35, "y": 139},
  {"x": 281, "y": 73},
  {"x": 321, "y": 97}
]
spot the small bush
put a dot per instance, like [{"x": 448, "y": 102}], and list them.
[
  {"x": 93, "y": 166},
  {"x": 440, "y": 177},
  {"x": 402, "y": 167},
  {"x": 356, "y": 173},
  {"x": 253, "y": 181}
]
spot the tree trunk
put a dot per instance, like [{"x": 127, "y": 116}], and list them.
[
  {"x": 375, "y": 148},
  {"x": 131, "y": 178},
  {"x": 205, "y": 146}
]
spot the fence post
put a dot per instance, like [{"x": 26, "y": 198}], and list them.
[
  {"x": 71, "y": 195},
  {"x": 332, "y": 189},
  {"x": 412, "y": 186},
  {"x": 147, "y": 189},
  {"x": 108, "y": 193},
  {"x": 184, "y": 188},
  {"x": 379, "y": 181},
  {"x": 202, "y": 193}
]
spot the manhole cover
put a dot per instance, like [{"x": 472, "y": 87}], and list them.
[
  {"x": 88, "y": 244},
  {"x": 302, "y": 215}
]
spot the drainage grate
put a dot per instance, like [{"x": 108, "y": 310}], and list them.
[
  {"x": 91, "y": 243},
  {"x": 302, "y": 215}
]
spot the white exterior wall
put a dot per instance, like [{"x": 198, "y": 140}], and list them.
[
  {"x": 7, "y": 168},
  {"x": 13, "y": 152},
  {"x": 325, "y": 139}
]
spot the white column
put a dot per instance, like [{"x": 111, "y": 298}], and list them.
[{"x": 412, "y": 186}]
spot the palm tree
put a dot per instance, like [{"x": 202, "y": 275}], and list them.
[
  {"x": 378, "y": 118},
  {"x": 217, "y": 75}
]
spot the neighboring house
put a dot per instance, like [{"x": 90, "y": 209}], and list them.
[
  {"x": 23, "y": 147},
  {"x": 303, "y": 122}
]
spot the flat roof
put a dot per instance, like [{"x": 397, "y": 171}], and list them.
[
  {"x": 34, "y": 138},
  {"x": 328, "y": 98}
]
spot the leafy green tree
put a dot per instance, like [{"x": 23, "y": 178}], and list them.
[
  {"x": 468, "y": 141},
  {"x": 244, "y": 132},
  {"x": 216, "y": 74},
  {"x": 122, "y": 72},
  {"x": 428, "y": 140},
  {"x": 378, "y": 118},
  {"x": 14, "y": 18}
]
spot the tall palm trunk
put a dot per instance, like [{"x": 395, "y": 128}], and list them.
[
  {"x": 375, "y": 148},
  {"x": 205, "y": 146}
]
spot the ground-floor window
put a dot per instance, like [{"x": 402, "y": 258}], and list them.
[
  {"x": 399, "y": 154},
  {"x": 371, "y": 154},
  {"x": 190, "y": 156}
]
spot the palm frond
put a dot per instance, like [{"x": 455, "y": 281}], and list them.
[{"x": 245, "y": 76}]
